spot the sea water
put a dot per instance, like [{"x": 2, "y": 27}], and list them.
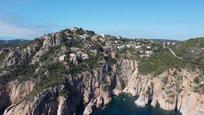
[{"x": 124, "y": 105}]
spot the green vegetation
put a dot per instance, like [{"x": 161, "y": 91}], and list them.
[
  {"x": 73, "y": 43},
  {"x": 184, "y": 47},
  {"x": 84, "y": 66},
  {"x": 50, "y": 54},
  {"x": 22, "y": 72},
  {"x": 14, "y": 43},
  {"x": 49, "y": 72},
  {"x": 74, "y": 69},
  {"x": 128, "y": 53},
  {"x": 3, "y": 55},
  {"x": 192, "y": 52},
  {"x": 56, "y": 69},
  {"x": 55, "y": 76},
  {"x": 110, "y": 60},
  {"x": 159, "y": 63},
  {"x": 80, "y": 31},
  {"x": 198, "y": 84}
]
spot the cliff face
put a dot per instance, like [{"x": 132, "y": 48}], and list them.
[
  {"x": 45, "y": 103},
  {"x": 96, "y": 89},
  {"x": 171, "y": 90},
  {"x": 74, "y": 71},
  {"x": 93, "y": 89},
  {"x": 14, "y": 92}
]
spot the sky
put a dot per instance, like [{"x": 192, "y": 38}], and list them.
[{"x": 155, "y": 19}]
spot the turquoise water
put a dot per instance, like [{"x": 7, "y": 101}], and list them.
[{"x": 124, "y": 105}]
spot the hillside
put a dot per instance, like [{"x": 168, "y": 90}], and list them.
[
  {"x": 13, "y": 43},
  {"x": 75, "y": 70}
]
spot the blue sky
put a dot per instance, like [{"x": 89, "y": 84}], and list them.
[{"x": 163, "y": 19}]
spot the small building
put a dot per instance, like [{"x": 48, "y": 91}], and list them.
[
  {"x": 62, "y": 57},
  {"x": 148, "y": 47}
]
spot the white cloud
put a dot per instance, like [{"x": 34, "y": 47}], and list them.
[
  {"x": 8, "y": 29},
  {"x": 15, "y": 27}
]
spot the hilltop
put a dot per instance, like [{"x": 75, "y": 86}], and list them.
[{"x": 73, "y": 69}]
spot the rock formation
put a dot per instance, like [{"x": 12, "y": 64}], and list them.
[{"x": 42, "y": 77}]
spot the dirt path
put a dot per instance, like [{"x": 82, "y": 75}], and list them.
[{"x": 174, "y": 53}]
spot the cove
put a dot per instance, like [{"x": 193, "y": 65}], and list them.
[{"x": 124, "y": 105}]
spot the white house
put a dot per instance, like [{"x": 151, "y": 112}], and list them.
[{"x": 61, "y": 58}]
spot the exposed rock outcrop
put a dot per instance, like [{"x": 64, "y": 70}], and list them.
[
  {"x": 75, "y": 69},
  {"x": 14, "y": 92},
  {"x": 93, "y": 89},
  {"x": 170, "y": 96},
  {"x": 96, "y": 89},
  {"x": 47, "y": 102}
]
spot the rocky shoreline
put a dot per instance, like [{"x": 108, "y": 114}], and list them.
[
  {"x": 147, "y": 88},
  {"x": 124, "y": 104}
]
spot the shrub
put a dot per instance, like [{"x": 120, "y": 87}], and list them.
[{"x": 159, "y": 63}]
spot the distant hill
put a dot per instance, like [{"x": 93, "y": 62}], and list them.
[
  {"x": 13, "y": 43},
  {"x": 165, "y": 40}
]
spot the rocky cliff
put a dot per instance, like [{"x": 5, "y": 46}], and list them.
[
  {"x": 75, "y": 71},
  {"x": 96, "y": 88},
  {"x": 171, "y": 90}
]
